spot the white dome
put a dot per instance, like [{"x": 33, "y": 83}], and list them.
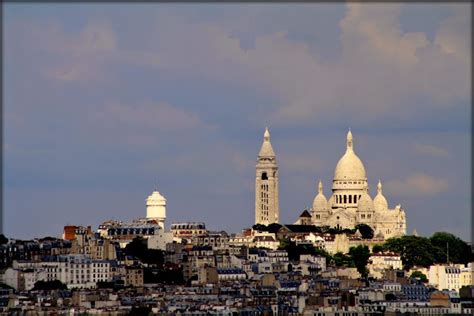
[
  {"x": 349, "y": 167},
  {"x": 320, "y": 202},
  {"x": 380, "y": 202},
  {"x": 155, "y": 199},
  {"x": 365, "y": 203}
]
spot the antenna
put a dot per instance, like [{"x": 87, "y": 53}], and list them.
[{"x": 447, "y": 253}]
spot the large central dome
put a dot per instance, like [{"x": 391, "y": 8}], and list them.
[{"x": 349, "y": 167}]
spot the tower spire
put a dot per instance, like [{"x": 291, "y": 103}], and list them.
[
  {"x": 266, "y": 150},
  {"x": 320, "y": 187},
  {"x": 266, "y": 135},
  {"x": 379, "y": 187}
]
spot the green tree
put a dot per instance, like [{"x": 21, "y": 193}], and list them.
[
  {"x": 294, "y": 250},
  {"x": 260, "y": 227},
  {"x": 3, "y": 239},
  {"x": 49, "y": 285},
  {"x": 365, "y": 230},
  {"x": 274, "y": 228},
  {"x": 377, "y": 249},
  {"x": 138, "y": 247},
  {"x": 360, "y": 255},
  {"x": 341, "y": 260},
  {"x": 413, "y": 250},
  {"x": 419, "y": 275},
  {"x": 444, "y": 243}
]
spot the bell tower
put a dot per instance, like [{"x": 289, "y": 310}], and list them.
[{"x": 267, "y": 209}]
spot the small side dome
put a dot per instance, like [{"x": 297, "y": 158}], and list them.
[
  {"x": 365, "y": 203},
  {"x": 320, "y": 202},
  {"x": 380, "y": 202}
]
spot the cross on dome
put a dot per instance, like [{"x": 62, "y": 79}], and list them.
[{"x": 349, "y": 139}]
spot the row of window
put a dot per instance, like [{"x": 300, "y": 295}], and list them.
[
  {"x": 349, "y": 182},
  {"x": 347, "y": 198}
]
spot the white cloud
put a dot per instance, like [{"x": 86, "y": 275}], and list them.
[{"x": 417, "y": 185}]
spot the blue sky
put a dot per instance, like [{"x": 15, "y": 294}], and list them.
[{"x": 105, "y": 102}]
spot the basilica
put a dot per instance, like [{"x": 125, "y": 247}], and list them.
[{"x": 349, "y": 204}]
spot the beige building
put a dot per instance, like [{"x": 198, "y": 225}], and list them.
[
  {"x": 466, "y": 276},
  {"x": 134, "y": 276},
  {"x": 351, "y": 204},
  {"x": 445, "y": 277},
  {"x": 379, "y": 262},
  {"x": 267, "y": 209}
]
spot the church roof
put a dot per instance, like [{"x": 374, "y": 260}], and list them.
[
  {"x": 349, "y": 167},
  {"x": 305, "y": 214},
  {"x": 300, "y": 228},
  {"x": 266, "y": 150}
]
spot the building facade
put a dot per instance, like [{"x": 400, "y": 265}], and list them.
[{"x": 267, "y": 208}]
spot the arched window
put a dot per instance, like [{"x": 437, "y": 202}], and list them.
[
  {"x": 350, "y": 198},
  {"x": 345, "y": 198},
  {"x": 355, "y": 198},
  {"x": 264, "y": 176}
]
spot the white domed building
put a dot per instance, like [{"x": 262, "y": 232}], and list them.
[
  {"x": 156, "y": 208},
  {"x": 350, "y": 203}
]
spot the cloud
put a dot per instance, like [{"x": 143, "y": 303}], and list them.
[
  {"x": 381, "y": 71},
  {"x": 161, "y": 115},
  {"x": 431, "y": 150},
  {"x": 417, "y": 185}
]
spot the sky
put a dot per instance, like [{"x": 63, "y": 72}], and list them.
[{"x": 103, "y": 103}]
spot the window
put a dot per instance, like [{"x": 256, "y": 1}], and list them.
[{"x": 264, "y": 176}]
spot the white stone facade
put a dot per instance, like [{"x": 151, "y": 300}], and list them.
[
  {"x": 156, "y": 208},
  {"x": 267, "y": 208},
  {"x": 350, "y": 203}
]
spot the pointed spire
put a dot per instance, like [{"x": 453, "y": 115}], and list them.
[
  {"x": 320, "y": 187},
  {"x": 415, "y": 233},
  {"x": 266, "y": 150},
  {"x": 349, "y": 140},
  {"x": 266, "y": 135},
  {"x": 379, "y": 187}
]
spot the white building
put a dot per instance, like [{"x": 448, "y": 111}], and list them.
[
  {"x": 74, "y": 270},
  {"x": 267, "y": 208},
  {"x": 445, "y": 277},
  {"x": 23, "y": 279},
  {"x": 156, "y": 208},
  {"x": 350, "y": 203},
  {"x": 379, "y": 262}
]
